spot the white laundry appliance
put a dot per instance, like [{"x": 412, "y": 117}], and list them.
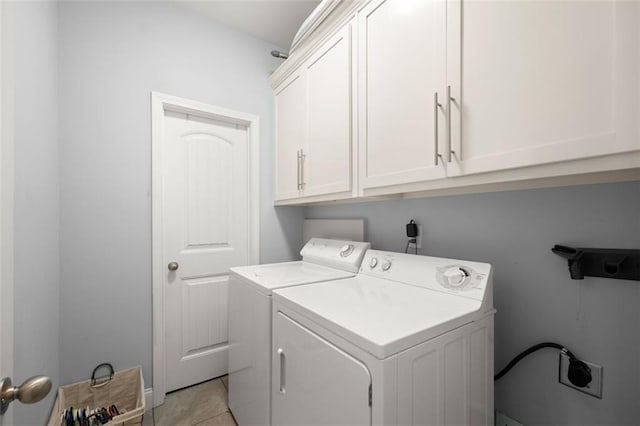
[
  {"x": 250, "y": 316},
  {"x": 409, "y": 340}
]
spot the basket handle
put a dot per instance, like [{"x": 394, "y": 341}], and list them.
[{"x": 93, "y": 375}]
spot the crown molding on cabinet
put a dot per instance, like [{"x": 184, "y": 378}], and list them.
[{"x": 342, "y": 13}]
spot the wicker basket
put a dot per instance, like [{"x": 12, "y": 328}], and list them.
[{"x": 125, "y": 389}]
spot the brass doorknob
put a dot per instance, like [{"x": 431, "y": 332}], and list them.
[
  {"x": 173, "y": 266},
  {"x": 32, "y": 390}
]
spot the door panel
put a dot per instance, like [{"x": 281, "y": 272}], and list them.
[
  {"x": 205, "y": 230},
  {"x": 314, "y": 382},
  {"x": 532, "y": 96},
  {"x": 291, "y": 122},
  {"x": 328, "y": 147},
  {"x": 402, "y": 63},
  {"x": 204, "y": 314}
]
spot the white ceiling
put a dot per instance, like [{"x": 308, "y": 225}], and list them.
[{"x": 276, "y": 21}]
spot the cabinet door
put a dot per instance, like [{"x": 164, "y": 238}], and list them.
[
  {"x": 291, "y": 118},
  {"x": 402, "y": 64},
  {"x": 327, "y": 162},
  {"x": 314, "y": 382},
  {"x": 541, "y": 81}
]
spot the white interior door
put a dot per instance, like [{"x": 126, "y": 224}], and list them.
[
  {"x": 6, "y": 222},
  {"x": 205, "y": 232}
]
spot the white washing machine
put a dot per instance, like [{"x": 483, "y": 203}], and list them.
[
  {"x": 409, "y": 340},
  {"x": 250, "y": 290}
]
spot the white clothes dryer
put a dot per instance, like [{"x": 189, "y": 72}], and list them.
[
  {"x": 409, "y": 341},
  {"x": 250, "y": 289}
]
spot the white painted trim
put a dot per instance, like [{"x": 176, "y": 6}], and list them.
[
  {"x": 314, "y": 20},
  {"x": 159, "y": 104},
  {"x": 148, "y": 400},
  {"x": 7, "y": 179}
]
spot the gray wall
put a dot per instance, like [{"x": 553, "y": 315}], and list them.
[
  {"x": 112, "y": 55},
  {"x": 104, "y": 61},
  {"x": 536, "y": 300},
  {"x": 37, "y": 284}
]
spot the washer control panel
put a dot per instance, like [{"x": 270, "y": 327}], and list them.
[
  {"x": 346, "y": 250},
  {"x": 340, "y": 254}
]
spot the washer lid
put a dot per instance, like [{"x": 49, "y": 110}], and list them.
[
  {"x": 380, "y": 316},
  {"x": 277, "y": 275}
]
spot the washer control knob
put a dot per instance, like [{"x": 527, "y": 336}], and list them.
[
  {"x": 455, "y": 277},
  {"x": 386, "y": 265},
  {"x": 346, "y": 250},
  {"x": 373, "y": 262}
]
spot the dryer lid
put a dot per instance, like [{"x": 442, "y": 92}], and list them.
[{"x": 277, "y": 275}]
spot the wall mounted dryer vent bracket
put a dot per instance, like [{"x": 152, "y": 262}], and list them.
[{"x": 622, "y": 264}]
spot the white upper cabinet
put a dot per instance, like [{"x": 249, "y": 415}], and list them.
[
  {"x": 390, "y": 97},
  {"x": 536, "y": 82},
  {"x": 291, "y": 118},
  {"x": 328, "y": 159},
  {"x": 402, "y": 65},
  {"x": 313, "y": 124}
]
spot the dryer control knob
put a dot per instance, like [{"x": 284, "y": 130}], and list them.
[
  {"x": 346, "y": 250},
  {"x": 373, "y": 262},
  {"x": 386, "y": 265},
  {"x": 455, "y": 277}
]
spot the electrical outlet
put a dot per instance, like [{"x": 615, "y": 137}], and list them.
[
  {"x": 418, "y": 240},
  {"x": 594, "y": 388}
]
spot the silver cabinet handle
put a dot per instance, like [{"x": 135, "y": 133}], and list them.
[
  {"x": 173, "y": 266},
  {"x": 436, "y": 105},
  {"x": 449, "y": 99},
  {"x": 282, "y": 357},
  {"x": 298, "y": 170},
  {"x": 302, "y": 158}
]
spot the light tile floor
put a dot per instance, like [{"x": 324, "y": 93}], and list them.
[{"x": 204, "y": 404}]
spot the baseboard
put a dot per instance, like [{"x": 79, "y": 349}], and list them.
[{"x": 148, "y": 399}]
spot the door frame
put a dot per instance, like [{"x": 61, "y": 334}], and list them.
[
  {"x": 7, "y": 179},
  {"x": 159, "y": 104}
]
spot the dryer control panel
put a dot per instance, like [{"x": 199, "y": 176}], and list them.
[
  {"x": 339, "y": 254},
  {"x": 460, "y": 277},
  {"x": 457, "y": 277}
]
